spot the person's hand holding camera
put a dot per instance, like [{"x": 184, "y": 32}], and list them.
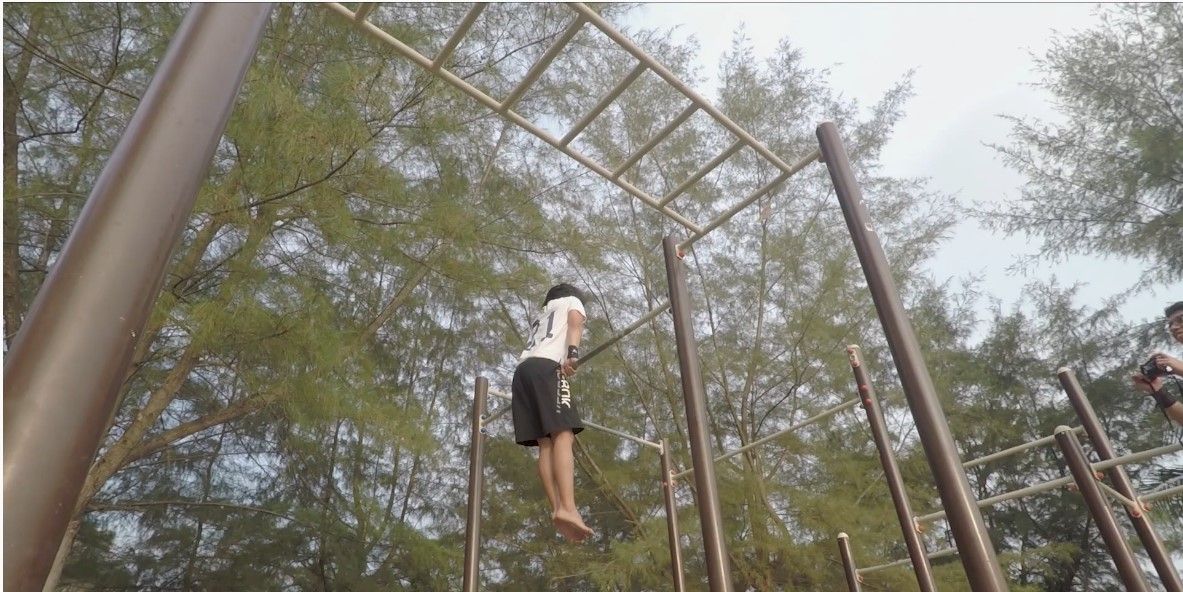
[
  {"x": 1148, "y": 386},
  {"x": 1167, "y": 364},
  {"x": 1151, "y": 375}
]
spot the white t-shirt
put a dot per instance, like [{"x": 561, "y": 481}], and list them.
[{"x": 548, "y": 331}]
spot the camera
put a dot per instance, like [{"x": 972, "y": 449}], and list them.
[{"x": 1151, "y": 370}]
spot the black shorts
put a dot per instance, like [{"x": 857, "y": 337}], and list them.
[{"x": 538, "y": 408}]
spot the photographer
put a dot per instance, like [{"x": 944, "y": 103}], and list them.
[{"x": 1153, "y": 374}]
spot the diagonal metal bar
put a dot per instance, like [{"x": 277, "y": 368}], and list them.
[
  {"x": 655, "y": 140},
  {"x": 1016, "y": 449},
  {"x": 484, "y": 99},
  {"x": 766, "y": 439},
  {"x": 739, "y": 207},
  {"x": 934, "y": 555},
  {"x": 1113, "y": 493},
  {"x": 624, "y": 42},
  {"x": 457, "y": 36},
  {"x": 702, "y": 172},
  {"x": 637, "y": 324},
  {"x": 540, "y": 66},
  {"x": 364, "y": 10},
  {"x": 603, "y": 103}
]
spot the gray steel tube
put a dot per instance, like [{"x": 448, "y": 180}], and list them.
[
  {"x": 694, "y": 393},
  {"x": 965, "y": 519},
  {"x": 476, "y": 488},
  {"x": 1123, "y": 558},
  {"x": 1153, "y": 544},
  {"x": 891, "y": 470},
  {"x": 848, "y": 567},
  {"x": 671, "y": 518},
  {"x": 66, "y": 367}
]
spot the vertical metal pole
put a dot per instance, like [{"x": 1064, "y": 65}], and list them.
[
  {"x": 1082, "y": 473},
  {"x": 66, "y": 367},
  {"x": 1121, "y": 482},
  {"x": 965, "y": 519},
  {"x": 891, "y": 470},
  {"x": 694, "y": 393},
  {"x": 671, "y": 518},
  {"x": 852, "y": 581},
  {"x": 476, "y": 488}
]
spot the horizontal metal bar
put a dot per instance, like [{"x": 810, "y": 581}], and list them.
[
  {"x": 1136, "y": 457},
  {"x": 640, "y": 441},
  {"x": 1054, "y": 483},
  {"x": 934, "y": 555},
  {"x": 990, "y": 501},
  {"x": 1016, "y": 449},
  {"x": 739, "y": 207},
  {"x": 803, "y": 423},
  {"x": 457, "y": 35},
  {"x": 655, "y": 140},
  {"x": 624, "y": 42},
  {"x": 603, "y": 103},
  {"x": 702, "y": 172},
  {"x": 484, "y": 99},
  {"x": 543, "y": 62},
  {"x": 364, "y": 10},
  {"x": 594, "y": 426},
  {"x": 1168, "y": 492},
  {"x": 637, "y": 324}
]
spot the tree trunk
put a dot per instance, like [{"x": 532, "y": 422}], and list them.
[{"x": 13, "y": 86}]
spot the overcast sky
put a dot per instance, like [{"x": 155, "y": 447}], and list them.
[{"x": 971, "y": 62}]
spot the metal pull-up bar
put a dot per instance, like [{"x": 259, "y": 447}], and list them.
[
  {"x": 766, "y": 439},
  {"x": 946, "y": 552},
  {"x": 1016, "y": 449},
  {"x": 637, "y": 324}
]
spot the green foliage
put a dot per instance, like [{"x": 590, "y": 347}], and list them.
[
  {"x": 1108, "y": 180},
  {"x": 368, "y": 241}
]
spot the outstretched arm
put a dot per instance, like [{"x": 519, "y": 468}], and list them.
[{"x": 574, "y": 336}]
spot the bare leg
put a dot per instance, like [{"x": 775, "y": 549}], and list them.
[
  {"x": 563, "y": 458},
  {"x": 547, "y": 475},
  {"x": 546, "y": 470}
]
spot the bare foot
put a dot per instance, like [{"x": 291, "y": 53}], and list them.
[
  {"x": 566, "y": 529},
  {"x": 571, "y": 525}
]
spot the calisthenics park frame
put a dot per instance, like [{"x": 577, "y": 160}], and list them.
[
  {"x": 73, "y": 350},
  {"x": 1084, "y": 476}
]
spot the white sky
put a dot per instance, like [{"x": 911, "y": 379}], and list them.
[{"x": 972, "y": 62}]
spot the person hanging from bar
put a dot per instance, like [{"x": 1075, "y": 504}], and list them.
[
  {"x": 1152, "y": 376},
  {"x": 544, "y": 411}
]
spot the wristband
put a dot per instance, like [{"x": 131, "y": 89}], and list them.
[
  {"x": 573, "y": 351},
  {"x": 1162, "y": 398}
]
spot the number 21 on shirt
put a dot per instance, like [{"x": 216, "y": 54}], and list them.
[{"x": 537, "y": 324}]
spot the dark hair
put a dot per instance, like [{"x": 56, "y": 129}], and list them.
[
  {"x": 562, "y": 291},
  {"x": 1174, "y": 308}
]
